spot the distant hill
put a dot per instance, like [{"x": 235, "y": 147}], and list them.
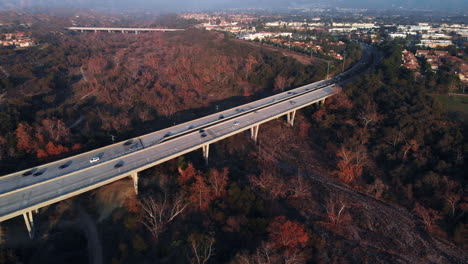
[{"x": 190, "y": 5}]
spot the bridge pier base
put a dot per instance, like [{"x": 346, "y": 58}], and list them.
[
  {"x": 206, "y": 152},
  {"x": 321, "y": 103},
  {"x": 134, "y": 177},
  {"x": 29, "y": 221},
  {"x": 254, "y": 133},
  {"x": 290, "y": 116}
]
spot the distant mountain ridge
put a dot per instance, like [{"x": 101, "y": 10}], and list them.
[{"x": 194, "y": 5}]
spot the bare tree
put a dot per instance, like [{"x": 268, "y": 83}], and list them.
[
  {"x": 369, "y": 115},
  {"x": 295, "y": 257},
  {"x": 268, "y": 182},
  {"x": 264, "y": 254},
  {"x": 267, "y": 254},
  {"x": 351, "y": 162},
  {"x": 158, "y": 213},
  {"x": 452, "y": 195},
  {"x": 299, "y": 187},
  {"x": 428, "y": 216},
  {"x": 335, "y": 208},
  {"x": 202, "y": 248}
]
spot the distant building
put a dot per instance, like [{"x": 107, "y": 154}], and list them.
[
  {"x": 434, "y": 43},
  {"x": 263, "y": 35},
  {"x": 422, "y": 53},
  {"x": 409, "y": 60},
  {"x": 397, "y": 35},
  {"x": 463, "y": 73}
]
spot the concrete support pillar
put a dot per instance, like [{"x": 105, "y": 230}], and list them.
[
  {"x": 290, "y": 116},
  {"x": 136, "y": 32},
  {"x": 29, "y": 221},
  {"x": 123, "y": 31},
  {"x": 134, "y": 177},
  {"x": 320, "y": 103},
  {"x": 81, "y": 31},
  {"x": 95, "y": 31},
  {"x": 206, "y": 152},
  {"x": 254, "y": 133}
]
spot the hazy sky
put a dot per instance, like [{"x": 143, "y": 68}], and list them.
[{"x": 186, "y": 5}]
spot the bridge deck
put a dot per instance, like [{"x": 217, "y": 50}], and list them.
[{"x": 20, "y": 194}]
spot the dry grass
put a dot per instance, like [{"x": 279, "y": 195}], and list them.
[{"x": 113, "y": 196}]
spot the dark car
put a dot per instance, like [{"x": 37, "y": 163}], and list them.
[
  {"x": 128, "y": 142},
  {"x": 203, "y": 135},
  {"x": 221, "y": 117},
  {"x": 202, "y": 131},
  {"x": 134, "y": 147},
  {"x": 29, "y": 172},
  {"x": 38, "y": 173},
  {"x": 66, "y": 164},
  {"x": 119, "y": 164}
]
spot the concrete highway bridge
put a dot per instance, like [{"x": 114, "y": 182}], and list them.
[
  {"x": 123, "y": 30},
  {"x": 25, "y": 192}
]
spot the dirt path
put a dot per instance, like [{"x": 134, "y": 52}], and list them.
[{"x": 92, "y": 235}]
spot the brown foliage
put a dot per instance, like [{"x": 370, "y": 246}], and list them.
[
  {"x": 269, "y": 183},
  {"x": 200, "y": 193},
  {"x": 24, "y": 135},
  {"x": 54, "y": 130},
  {"x": 428, "y": 216},
  {"x": 350, "y": 163},
  {"x": 53, "y": 149},
  {"x": 286, "y": 234},
  {"x": 132, "y": 204},
  {"x": 186, "y": 175},
  {"x": 304, "y": 129},
  {"x": 339, "y": 101},
  {"x": 41, "y": 153},
  {"x": 203, "y": 190},
  {"x": 76, "y": 146}
]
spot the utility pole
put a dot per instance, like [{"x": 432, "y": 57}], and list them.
[
  {"x": 311, "y": 49},
  {"x": 344, "y": 60}
]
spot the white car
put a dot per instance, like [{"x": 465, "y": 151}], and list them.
[
  {"x": 236, "y": 123},
  {"x": 93, "y": 160}
]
